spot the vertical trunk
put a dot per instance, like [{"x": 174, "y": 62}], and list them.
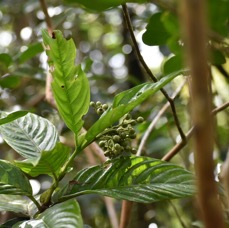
[{"x": 195, "y": 38}]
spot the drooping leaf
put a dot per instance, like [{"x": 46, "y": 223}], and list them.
[
  {"x": 156, "y": 33},
  {"x": 101, "y": 5},
  {"x": 49, "y": 162},
  {"x": 14, "y": 203},
  {"x": 70, "y": 84},
  {"x": 125, "y": 102},
  {"x": 66, "y": 214},
  {"x": 13, "y": 181},
  {"x": 11, "y": 117},
  {"x": 32, "y": 51},
  {"x": 30, "y": 135},
  {"x": 139, "y": 179}
]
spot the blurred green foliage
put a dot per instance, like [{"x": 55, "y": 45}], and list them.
[{"x": 105, "y": 50}]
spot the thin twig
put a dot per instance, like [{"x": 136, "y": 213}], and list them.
[
  {"x": 182, "y": 144},
  {"x": 47, "y": 17},
  {"x": 177, "y": 214},
  {"x": 125, "y": 210},
  {"x": 155, "y": 120},
  {"x": 149, "y": 72}
]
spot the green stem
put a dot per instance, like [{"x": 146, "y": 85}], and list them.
[{"x": 35, "y": 202}]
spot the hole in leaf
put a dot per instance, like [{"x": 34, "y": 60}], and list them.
[{"x": 53, "y": 35}]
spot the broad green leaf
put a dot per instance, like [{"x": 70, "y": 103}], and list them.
[
  {"x": 14, "y": 203},
  {"x": 30, "y": 135},
  {"x": 138, "y": 179},
  {"x": 12, "y": 180},
  {"x": 173, "y": 64},
  {"x": 125, "y": 102},
  {"x": 66, "y": 214},
  {"x": 29, "y": 53},
  {"x": 70, "y": 84},
  {"x": 50, "y": 162},
  {"x": 101, "y": 5},
  {"x": 156, "y": 33},
  {"x": 11, "y": 116}
]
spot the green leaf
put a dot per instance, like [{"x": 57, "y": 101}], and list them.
[
  {"x": 173, "y": 64},
  {"x": 125, "y": 102},
  {"x": 66, "y": 214},
  {"x": 29, "y": 53},
  {"x": 138, "y": 179},
  {"x": 14, "y": 203},
  {"x": 156, "y": 33},
  {"x": 218, "y": 13},
  {"x": 217, "y": 57},
  {"x": 11, "y": 117},
  {"x": 10, "y": 81},
  {"x": 12, "y": 180},
  {"x": 5, "y": 60},
  {"x": 70, "y": 85},
  {"x": 101, "y": 5},
  {"x": 30, "y": 135},
  {"x": 50, "y": 162}
]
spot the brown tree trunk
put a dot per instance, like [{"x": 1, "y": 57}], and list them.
[{"x": 193, "y": 20}]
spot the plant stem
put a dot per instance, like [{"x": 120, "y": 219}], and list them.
[
  {"x": 155, "y": 120},
  {"x": 149, "y": 72},
  {"x": 35, "y": 202}
]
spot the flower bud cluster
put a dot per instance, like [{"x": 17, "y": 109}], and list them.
[
  {"x": 99, "y": 107},
  {"x": 116, "y": 140}
]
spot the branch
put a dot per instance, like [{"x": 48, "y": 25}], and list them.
[
  {"x": 125, "y": 210},
  {"x": 148, "y": 71},
  {"x": 182, "y": 144},
  {"x": 154, "y": 122},
  {"x": 47, "y": 17}
]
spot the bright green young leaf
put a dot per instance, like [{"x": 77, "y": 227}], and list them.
[
  {"x": 70, "y": 84},
  {"x": 14, "y": 203},
  {"x": 138, "y": 179},
  {"x": 30, "y": 135},
  {"x": 13, "y": 181},
  {"x": 101, "y": 5},
  {"x": 11, "y": 117},
  {"x": 49, "y": 162},
  {"x": 63, "y": 215},
  {"x": 29, "y": 53},
  {"x": 156, "y": 33},
  {"x": 125, "y": 102}
]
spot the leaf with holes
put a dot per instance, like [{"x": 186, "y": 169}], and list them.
[
  {"x": 66, "y": 214},
  {"x": 13, "y": 181},
  {"x": 138, "y": 179},
  {"x": 70, "y": 84},
  {"x": 30, "y": 135},
  {"x": 125, "y": 102},
  {"x": 50, "y": 162}
]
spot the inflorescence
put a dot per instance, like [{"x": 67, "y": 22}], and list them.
[{"x": 116, "y": 140}]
